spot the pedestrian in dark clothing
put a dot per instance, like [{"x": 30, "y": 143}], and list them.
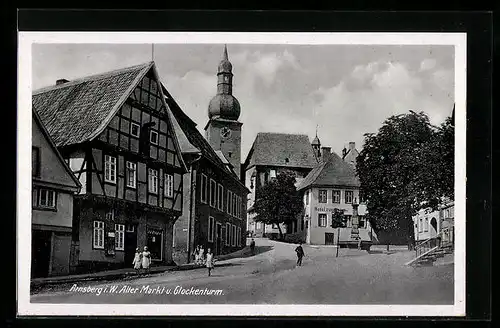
[
  {"x": 252, "y": 246},
  {"x": 300, "y": 254}
]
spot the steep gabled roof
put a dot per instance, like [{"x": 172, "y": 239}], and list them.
[
  {"x": 281, "y": 149},
  {"x": 77, "y": 111},
  {"x": 333, "y": 172},
  {"x": 45, "y": 133}
]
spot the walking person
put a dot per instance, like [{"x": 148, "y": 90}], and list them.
[
  {"x": 146, "y": 259},
  {"x": 209, "y": 261},
  {"x": 300, "y": 254},
  {"x": 252, "y": 246},
  {"x": 137, "y": 260}
]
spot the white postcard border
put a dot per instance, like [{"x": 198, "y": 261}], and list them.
[{"x": 25, "y": 41}]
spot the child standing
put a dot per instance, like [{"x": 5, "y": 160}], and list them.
[
  {"x": 137, "y": 260},
  {"x": 210, "y": 261},
  {"x": 146, "y": 259}
]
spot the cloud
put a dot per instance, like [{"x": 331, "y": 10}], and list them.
[
  {"x": 371, "y": 93},
  {"x": 427, "y": 64}
]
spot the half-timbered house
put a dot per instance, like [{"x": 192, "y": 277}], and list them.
[{"x": 115, "y": 130}]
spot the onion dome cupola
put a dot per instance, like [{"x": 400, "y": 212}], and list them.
[{"x": 224, "y": 104}]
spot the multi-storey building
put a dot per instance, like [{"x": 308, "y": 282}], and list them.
[
  {"x": 333, "y": 185},
  {"x": 214, "y": 214},
  {"x": 270, "y": 155},
  {"x": 116, "y": 132},
  {"x": 54, "y": 186}
]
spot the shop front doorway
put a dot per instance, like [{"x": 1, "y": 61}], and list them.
[
  {"x": 155, "y": 243},
  {"x": 130, "y": 243}
]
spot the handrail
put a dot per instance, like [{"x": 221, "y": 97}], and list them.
[
  {"x": 422, "y": 243},
  {"x": 427, "y": 246}
]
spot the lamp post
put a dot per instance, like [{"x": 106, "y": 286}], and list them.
[{"x": 355, "y": 220}]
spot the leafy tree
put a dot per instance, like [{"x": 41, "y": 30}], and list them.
[
  {"x": 278, "y": 202},
  {"x": 406, "y": 166}
]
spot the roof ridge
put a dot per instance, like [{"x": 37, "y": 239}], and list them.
[
  {"x": 92, "y": 77},
  {"x": 283, "y": 133}
]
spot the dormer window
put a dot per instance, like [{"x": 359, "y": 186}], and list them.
[
  {"x": 134, "y": 129},
  {"x": 153, "y": 137}
]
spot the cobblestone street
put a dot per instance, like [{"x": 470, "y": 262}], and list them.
[{"x": 355, "y": 277}]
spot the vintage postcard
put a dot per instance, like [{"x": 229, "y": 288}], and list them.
[{"x": 242, "y": 174}]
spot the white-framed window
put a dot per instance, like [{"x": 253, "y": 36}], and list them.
[
  {"x": 228, "y": 233},
  {"x": 234, "y": 205},
  {"x": 220, "y": 196},
  {"x": 239, "y": 237},
  {"x": 322, "y": 220},
  {"x": 348, "y": 196},
  {"x": 134, "y": 129},
  {"x": 109, "y": 168},
  {"x": 153, "y": 137},
  {"x": 131, "y": 174},
  {"x": 336, "y": 196},
  {"x": 213, "y": 193},
  {"x": 119, "y": 237},
  {"x": 153, "y": 181},
  {"x": 323, "y": 194},
  {"x": 204, "y": 187},
  {"x": 169, "y": 185},
  {"x": 426, "y": 226},
  {"x": 211, "y": 228},
  {"x": 272, "y": 174},
  {"x": 234, "y": 236},
  {"x": 258, "y": 225},
  {"x": 98, "y": 234},
  {"x": 420, "y": 225},
  {"x": 47, "y": 198},
  {"x": 229, "y": 201}
]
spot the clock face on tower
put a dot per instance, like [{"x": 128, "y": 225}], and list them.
[{"x": 225, "y": 132}]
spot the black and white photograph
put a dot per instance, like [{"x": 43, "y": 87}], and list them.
[{"x": 241, "y": 173}]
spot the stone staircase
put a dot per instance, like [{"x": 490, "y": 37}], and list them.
[
  {"x": 431, "y": 257},
  {"x": 432, "y": 252}
]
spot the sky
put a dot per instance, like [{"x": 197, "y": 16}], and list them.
[{"x": 342, "y": 91}]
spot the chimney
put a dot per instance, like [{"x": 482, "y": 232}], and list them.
[
  {"x": 61, "y": 81},
  {"x": 352, "y": 145},
  {"x": 325, "y": 151}
]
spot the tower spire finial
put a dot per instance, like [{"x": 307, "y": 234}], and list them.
[
  {"x": 317, "y": 130},
  {"x": 224, "y": 56}
]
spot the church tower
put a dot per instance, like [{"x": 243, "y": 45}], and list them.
[
  {"x": 223, "y": 130},
  {"x": 316, "y": 145}
]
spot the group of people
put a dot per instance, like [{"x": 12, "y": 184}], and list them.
[
  {"x": 142, "y": 259},
  {"x": 202, "y": 258}
]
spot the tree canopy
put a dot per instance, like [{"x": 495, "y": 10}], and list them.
[
  {"x": 278, "y": 201},
  {"x": 408, "y": 165}
]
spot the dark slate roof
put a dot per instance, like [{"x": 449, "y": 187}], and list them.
[
  {"x": 273, "y": 149},
  {"x": 77, "y": 111},
  {"x": 188, "y": 127},
  {"x": 333, "y": 172}
]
